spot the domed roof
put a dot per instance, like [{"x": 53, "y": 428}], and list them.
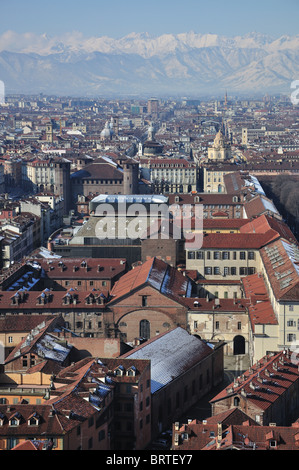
[
  {"x": 107, "y": 131},
  {"x": 220, "y": 140}
]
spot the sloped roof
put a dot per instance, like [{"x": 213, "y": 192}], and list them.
[
  {"x": 99, "y": 169},
  {"x": 260, "y": 308},
  {"x": 281, "y": 262},
  {"x": 265, "y": 382},
  {"x": 266, "y": 222},
  {"x": 259, "y": 205},
  {"x": 82, "y": 268},
  {"x": 238, "y": 240},
  {"x": 156, "y": 273},
  {"x": 171, "y": 355}
]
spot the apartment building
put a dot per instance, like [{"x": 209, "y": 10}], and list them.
[
  {"x": 131, "y": 427},
  {"x": 81, "y": 310},
  {"x": 221, "y": 319},
  {"x": 170, "y": 175},
  {"x": 233, "y": 255},
  {"x": 50, "y": 174},
  {"x": 19, "y": 237},
  {"x": 233, "y": 431},
  {"x": 227, "y": 256},
  {"x": 268, "y": 391},
  {"x": 226, "y": 206},
  {"x": 75, "y": 415},
  {"x": 281, "y": 276}
]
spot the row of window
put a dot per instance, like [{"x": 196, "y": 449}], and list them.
[
  {"x": 224, "y": 255},
  {"x": 79, "y": 283},
  {"x": 229, "y": 271},
  {"x": 217, "y": 325}
]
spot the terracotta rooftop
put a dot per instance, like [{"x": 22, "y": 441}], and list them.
[
  {"x": 78, "y": 268},
  {"x": 238, "y": 240},
  {"x": 265, "y": 382},
  {"x": 35, "y": 300},
  {"x": 12, "y": 323},
  {"x": 264, "y": 223},
  {"x": 260, "y": 308},
  {"x": 156, "y": 273},
  {"x": 281, "y": 263},
  {"x": 99, "y": 169}
]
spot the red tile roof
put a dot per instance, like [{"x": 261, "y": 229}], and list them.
[
  {"x": 264, "y": 223},
  {"x": 156, "y": 273},
  {"x": 282, "y": 269},
  {"x": 238, "y": 240},
  {"x": 53, "y": 300},
  {"x": 80, "y": 268},
  {"x": 260, "y": 308},
  {"x": 265, "y": 382}
]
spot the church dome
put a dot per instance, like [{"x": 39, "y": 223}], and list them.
[{"x": 107, "y": 131}]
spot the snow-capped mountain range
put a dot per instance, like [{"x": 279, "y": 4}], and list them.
[{"x": 138, "y": 64}]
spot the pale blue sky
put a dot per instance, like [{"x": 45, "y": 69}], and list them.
[{"x": 117, "y": 18}]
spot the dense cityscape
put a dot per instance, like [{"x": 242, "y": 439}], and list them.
[{"x": 120, "y": 332}]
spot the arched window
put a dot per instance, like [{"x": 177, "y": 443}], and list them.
[
  {"x": 144, "y": 329},
  {"x": 236, "y": 401},
  {"x": 239, "y": 345}
]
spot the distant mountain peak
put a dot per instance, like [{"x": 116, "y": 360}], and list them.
[{"x": 167, "y": 63}]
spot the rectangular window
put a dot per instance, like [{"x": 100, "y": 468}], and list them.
[
  {"x": 144, "y": 301},
  {"x": 242, "y": 255},
  {"x": 208, "y": 270}
]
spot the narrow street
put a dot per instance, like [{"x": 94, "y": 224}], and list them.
[{"x": 233, "y": 367}]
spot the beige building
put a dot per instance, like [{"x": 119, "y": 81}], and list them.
[
  {"x": 213, "y": 177},
  {"x": 48, "y": 175},
  {"x": 221, "y": 320},
  {"x": 221, "y": 149},
  {"x": 170, "y": 175},
  {"x": 226, "y": 255},
  {"x": 281, "y": 274}
]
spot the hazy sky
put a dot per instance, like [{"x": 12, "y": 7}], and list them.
[{"x": 117, "y": 18}]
